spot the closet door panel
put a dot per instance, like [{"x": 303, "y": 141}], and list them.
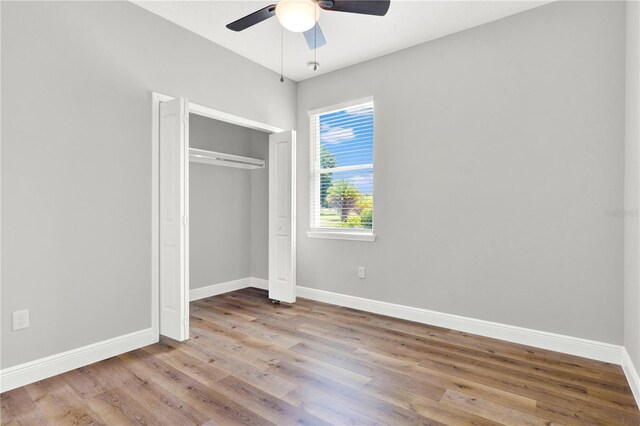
[
  {"x": 282, "y": 204},
  {"x": 173, "y": 273}
]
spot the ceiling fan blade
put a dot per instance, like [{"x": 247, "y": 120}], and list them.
[
  {"x": 314, "y": 37},
  {"x": 253, "y": 18},
  {"x": 364, "y": 7}
]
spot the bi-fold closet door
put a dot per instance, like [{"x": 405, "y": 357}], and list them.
[
  {"x": 174, "y": 218},
  {"x": 282, "y": 224}
]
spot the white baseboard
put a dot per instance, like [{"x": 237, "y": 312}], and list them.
[
  {"x": 39, "y": 369},
  {"x": 215, "y": 289},
  {"x": 592, "y": 349},
  {"x": 23, "y": 374},
  {"x": 586, "y": 348},
  {"x": 632, "y": 375},
  {"x": 226, "y": 287},
  {"x": 556, "y": 342},
  {"x": 260, "y": 283},
  {"x": 33, "y": 371}
]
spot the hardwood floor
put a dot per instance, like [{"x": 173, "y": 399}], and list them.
[{"x": 251, "y": 362}]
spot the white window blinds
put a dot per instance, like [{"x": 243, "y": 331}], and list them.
[{"x": 342, "y": 168}]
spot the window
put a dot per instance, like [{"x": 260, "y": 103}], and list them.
[{"x": 342, "y": 171}]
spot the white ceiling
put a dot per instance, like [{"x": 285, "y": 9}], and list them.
[{"x": 350, "y": 38}]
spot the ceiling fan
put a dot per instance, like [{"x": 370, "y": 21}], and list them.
[{"x": 301, "y": 16}]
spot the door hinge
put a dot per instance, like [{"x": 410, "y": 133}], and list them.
[{"x": 185, "y": 220}]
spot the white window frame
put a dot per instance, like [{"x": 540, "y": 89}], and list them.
[{"x": 314, "y": 175}]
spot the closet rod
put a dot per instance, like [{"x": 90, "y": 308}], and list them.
[{"x": 222, "y": 159}]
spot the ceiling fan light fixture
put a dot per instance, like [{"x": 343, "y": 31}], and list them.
[{"x": 297, "y": 15}]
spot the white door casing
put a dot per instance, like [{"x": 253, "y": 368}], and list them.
[
  {"x": 282, "y": 220},
  {"x": 174, "y": 216}
]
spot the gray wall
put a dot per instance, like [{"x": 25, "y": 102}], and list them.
[
  {"x": 76, "y": 148},
  {"x": 505, "y": 141},
  {"x": 632, "y": 186},
  {"x": 225, "y": 214},
  {"x": 498, "y": 151}
]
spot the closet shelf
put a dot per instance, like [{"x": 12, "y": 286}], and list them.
[{"x": 222, "y": 159}]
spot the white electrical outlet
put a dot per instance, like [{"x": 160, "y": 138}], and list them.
[
  {"x": 361, "y": 271},
  {"x": 20, "y": 319}
]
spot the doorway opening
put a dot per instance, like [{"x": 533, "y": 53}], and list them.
[{"x": 222, "y": 209}]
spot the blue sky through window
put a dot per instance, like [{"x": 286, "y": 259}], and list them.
[{"x": 348, "y": 135}]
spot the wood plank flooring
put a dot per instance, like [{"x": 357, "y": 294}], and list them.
[{"x": 251, "y": 362}]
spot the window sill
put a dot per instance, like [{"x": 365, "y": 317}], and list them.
[{"x": 352, "y": 236}]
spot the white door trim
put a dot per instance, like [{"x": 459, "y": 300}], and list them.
[
  {"x": 204, "y": 111},
  {"x": 231, "y": 118}
]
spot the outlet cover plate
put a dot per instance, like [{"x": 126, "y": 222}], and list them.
[
  {"x": 20, "y": 319},
  {"x": 362, "y": 271}
]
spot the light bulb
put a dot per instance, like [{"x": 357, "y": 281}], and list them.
[{"x": 297, "y": 15}]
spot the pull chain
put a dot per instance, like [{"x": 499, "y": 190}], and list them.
[
  {"x": 315, "y": 40},
  {"x": 281, "y": 55}
]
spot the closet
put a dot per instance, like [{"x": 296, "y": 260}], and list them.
[
  {"x": 228, "y": 204},
  {"x": 223, "y": 209}
]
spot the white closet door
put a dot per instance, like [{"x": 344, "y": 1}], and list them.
[
  {"x": 174, "y": 205},
  {"x": 282, "y": 222}
]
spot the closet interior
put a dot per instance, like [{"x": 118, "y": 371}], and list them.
[{"x": 228, "y": 202}]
